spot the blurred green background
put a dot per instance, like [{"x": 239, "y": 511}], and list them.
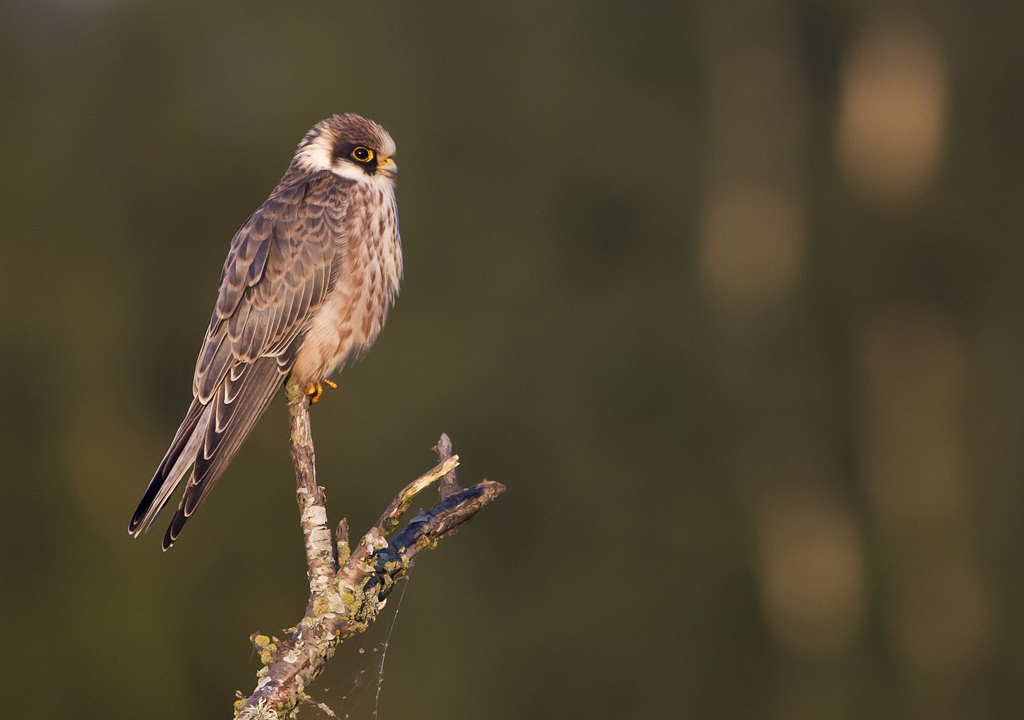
[{"x": 728, "y": 294}]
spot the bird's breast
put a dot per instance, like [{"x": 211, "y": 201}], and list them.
[{"x": 368, "y": 267}]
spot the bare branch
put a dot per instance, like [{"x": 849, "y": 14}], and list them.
[
  {"x": 320, "y": 556},
  {"x": 348, "y": 588}
]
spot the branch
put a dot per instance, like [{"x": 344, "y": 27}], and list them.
[{"x": 347, "y": 589}]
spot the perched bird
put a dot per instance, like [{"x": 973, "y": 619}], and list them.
[{"x": 306, "y": 287}]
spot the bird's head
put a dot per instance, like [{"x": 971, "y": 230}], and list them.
[{"x": 350, "y": 146}]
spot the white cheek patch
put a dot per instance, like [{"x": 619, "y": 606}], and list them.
[
  {"x": 316, "y": 155},
  {"x": 346, "y": 169}
]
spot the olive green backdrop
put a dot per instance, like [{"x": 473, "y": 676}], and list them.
[{"x": 728, "y": 294}]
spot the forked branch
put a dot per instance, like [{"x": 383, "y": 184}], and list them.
[{"x": 348, "y": 587}]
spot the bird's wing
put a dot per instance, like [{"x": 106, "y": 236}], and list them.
[{"x": 278, "y": 272}]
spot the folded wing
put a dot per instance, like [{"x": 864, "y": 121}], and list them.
[{"x": 279, "y": 271}]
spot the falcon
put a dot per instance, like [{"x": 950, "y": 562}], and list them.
[{"x": 306, "y": 287}]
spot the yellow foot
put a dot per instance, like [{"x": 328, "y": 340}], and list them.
[{"x": 315, "y": 390}]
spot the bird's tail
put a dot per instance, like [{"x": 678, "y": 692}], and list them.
[
  {"x": 179, "y": 458},
  {"x": 208, "y": 439}
]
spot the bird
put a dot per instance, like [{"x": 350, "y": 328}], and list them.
[{"x": 305, "y": 289}]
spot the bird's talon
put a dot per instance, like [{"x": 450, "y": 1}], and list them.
[{"x": 314, "y": 390}]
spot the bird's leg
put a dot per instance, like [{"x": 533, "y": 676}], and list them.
[{"x": 315, "y": 389}]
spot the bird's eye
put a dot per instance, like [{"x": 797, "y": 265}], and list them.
[{"x": 361, "y": 154}]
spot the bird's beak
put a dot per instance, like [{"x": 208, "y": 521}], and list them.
[{"x": 389, "y": 168}]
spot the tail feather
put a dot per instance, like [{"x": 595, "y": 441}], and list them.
[
  {"x": 172, "y": 468},
  {"x": 233, "y": 411}
]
